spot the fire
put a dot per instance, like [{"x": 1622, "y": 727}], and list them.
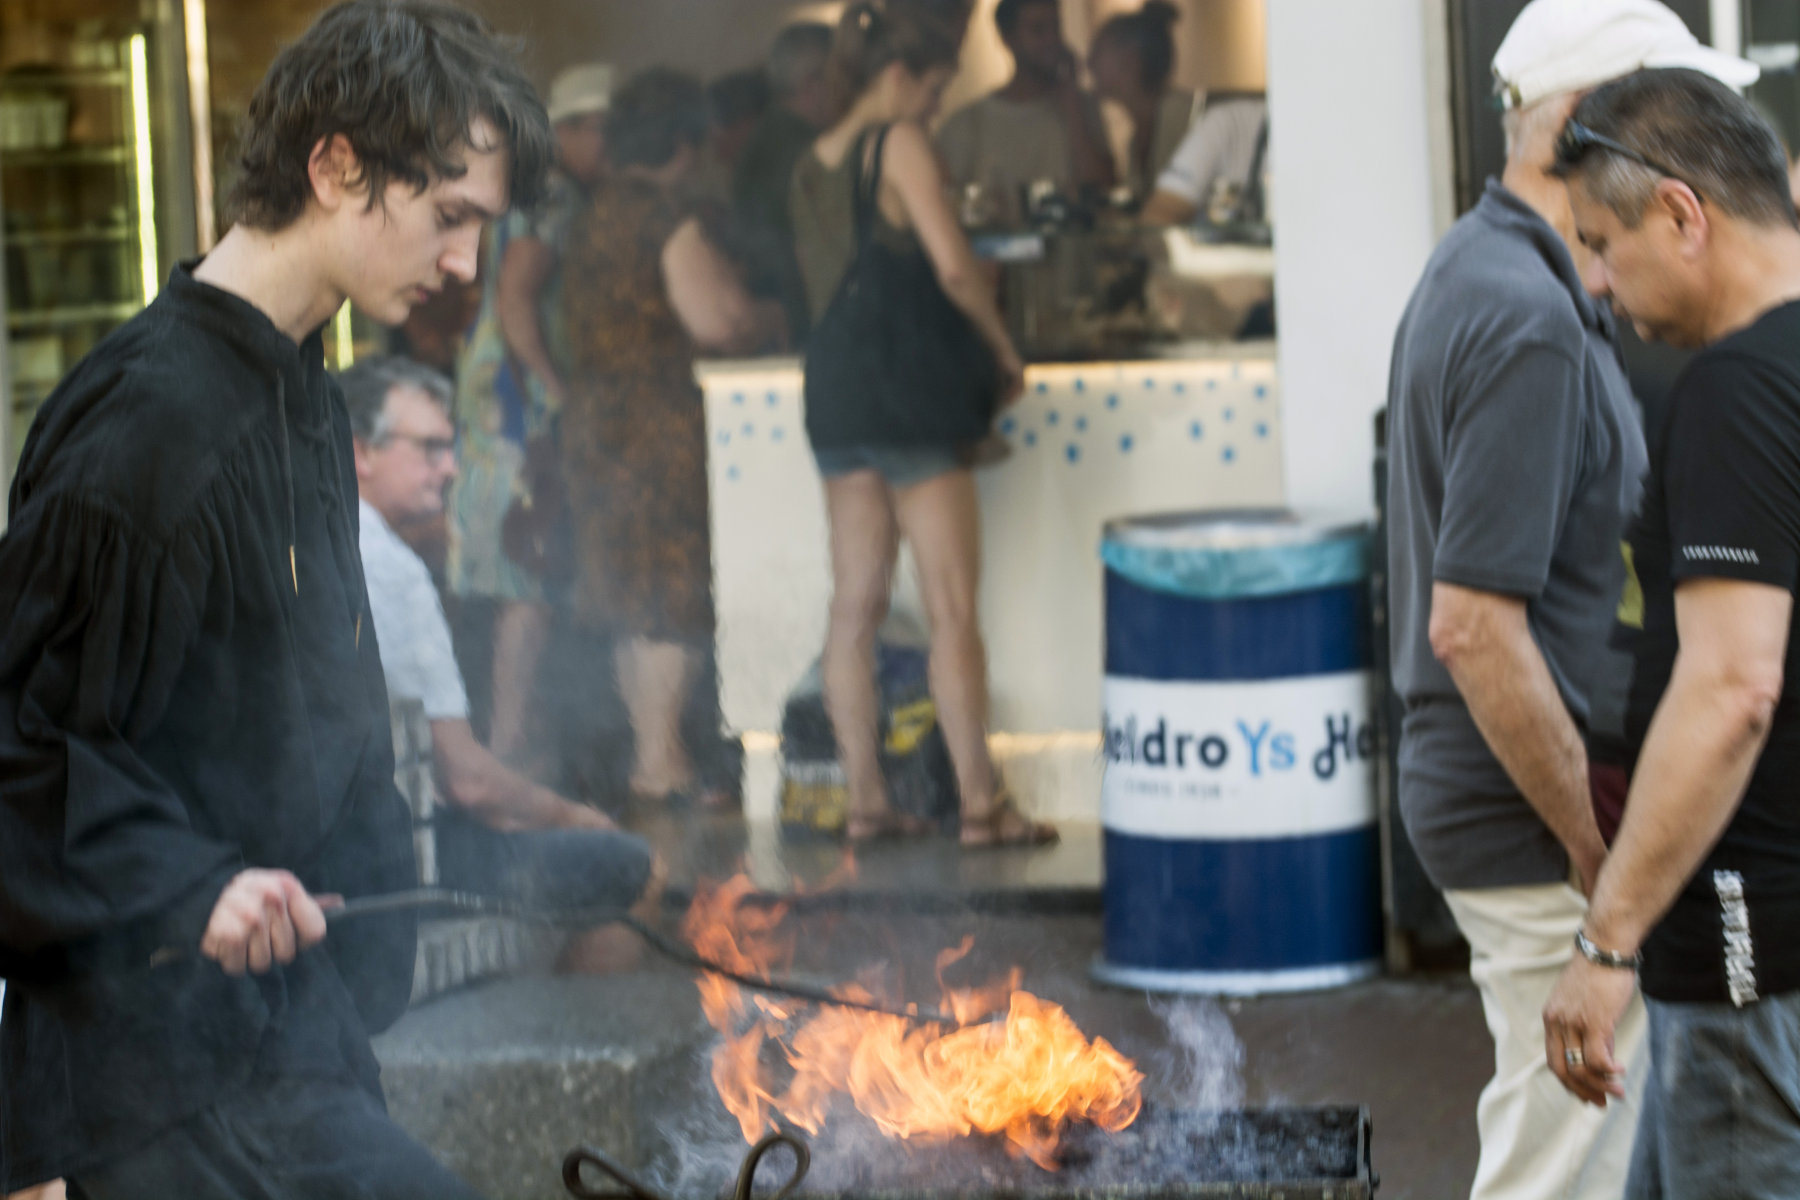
[{"x": 1027, "y": 1076}]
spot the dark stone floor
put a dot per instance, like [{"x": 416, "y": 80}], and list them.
[{"x": 503, "y": 1078}]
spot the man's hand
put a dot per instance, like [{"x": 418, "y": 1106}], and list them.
[
  {"x": 262, "y": 918},
  {"x": 1579, "y": 1021}
]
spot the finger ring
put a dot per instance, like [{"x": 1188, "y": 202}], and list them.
[{"x": 1573, "y": 1057}]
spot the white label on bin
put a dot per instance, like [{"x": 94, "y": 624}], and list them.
[{"x": 1237, "y": 759}]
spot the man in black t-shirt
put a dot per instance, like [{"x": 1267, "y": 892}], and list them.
[{"x": 1679, "y": 192}]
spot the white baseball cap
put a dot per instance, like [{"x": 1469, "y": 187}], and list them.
[
  {"x": 580, "y": 90},
  {"x": 1560, "y": 46}
]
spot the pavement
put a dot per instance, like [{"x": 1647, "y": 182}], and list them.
[{"x": 502, "y": 1078}]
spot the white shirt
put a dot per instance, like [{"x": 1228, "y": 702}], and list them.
[
  {"x": 410, "y": 625},
  {"x": 1220, "y": 145}
]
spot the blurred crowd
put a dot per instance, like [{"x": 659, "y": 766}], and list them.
[{"x": 577, "y": 518}]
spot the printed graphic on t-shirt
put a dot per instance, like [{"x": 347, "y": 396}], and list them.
[
  {"x": 1734, "y": 554},
  {"x": 1723, "y": 504}
]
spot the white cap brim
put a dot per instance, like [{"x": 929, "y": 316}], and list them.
[{"x": 1728, "y": 69}]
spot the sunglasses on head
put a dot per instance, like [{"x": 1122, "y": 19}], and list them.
[{"x": 1577, "y": 140}]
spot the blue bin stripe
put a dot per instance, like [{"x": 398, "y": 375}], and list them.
[
  {"x": 1157, "y": 635},
  {"x": 1255, "y": 905}
]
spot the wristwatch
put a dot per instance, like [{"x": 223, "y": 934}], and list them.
[{"x": 1605, "y": 958}]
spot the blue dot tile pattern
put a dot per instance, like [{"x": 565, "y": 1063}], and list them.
[{"x": 1080, "y": 415}]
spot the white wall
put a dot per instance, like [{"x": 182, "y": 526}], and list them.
[{"x": 1351, "y": 157}]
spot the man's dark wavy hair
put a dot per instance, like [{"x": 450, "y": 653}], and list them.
[{"x": 403, "y": 81}]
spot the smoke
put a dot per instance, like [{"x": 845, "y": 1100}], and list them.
[
  {"x": 701, "y": 1145},
  {"x": 1202, "y": 1070},
  {"x": 702, "y": 1148}
]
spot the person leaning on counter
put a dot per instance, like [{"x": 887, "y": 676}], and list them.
[
  {"x": 195, "y": 748},
  {"x": 1217, "y": 170}
]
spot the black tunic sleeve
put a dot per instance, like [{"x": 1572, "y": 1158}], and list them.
[{"x": 96, "y": 620}]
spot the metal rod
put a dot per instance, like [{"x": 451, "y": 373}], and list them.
[{"x": 475, "y": 902}]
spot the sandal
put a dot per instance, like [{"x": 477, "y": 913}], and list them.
[{"x": 1004, "y": 825}]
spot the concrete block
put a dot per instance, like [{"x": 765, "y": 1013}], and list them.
[{"x": 502, "y": 1080}]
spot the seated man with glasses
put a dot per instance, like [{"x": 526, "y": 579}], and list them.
[{"x": 405, "y": 459}]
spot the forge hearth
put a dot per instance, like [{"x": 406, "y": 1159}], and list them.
[{"x": 1254, "y": 1154}]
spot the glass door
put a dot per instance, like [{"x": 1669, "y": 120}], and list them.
[
  {"x": 78, "y": 222},
  {"x": 1772, "y": 41}
]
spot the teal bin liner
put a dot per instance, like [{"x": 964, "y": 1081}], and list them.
[{"x": 1204, "y": 564}]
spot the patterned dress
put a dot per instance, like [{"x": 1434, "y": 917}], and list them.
[
  {"x": 633, "y": 428},
  {"x": 500, "y": 407}
]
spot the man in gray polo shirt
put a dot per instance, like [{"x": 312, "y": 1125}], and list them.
[{"x": 1515, "y": 458}]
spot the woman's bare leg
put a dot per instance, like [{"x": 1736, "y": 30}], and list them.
[
  {"x": 941, "y": 520},
  {"x": 654, "y": 679},
  {"x": 864, "y": 544},
  {"x": 521, "y": 628}
]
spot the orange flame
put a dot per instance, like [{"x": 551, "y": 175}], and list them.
[{"x": 1026, "y": 1077}]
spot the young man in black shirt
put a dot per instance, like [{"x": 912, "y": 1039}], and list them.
[
  {"x": 1680, "y": 195},
  {"x": 194, "y": 736}
]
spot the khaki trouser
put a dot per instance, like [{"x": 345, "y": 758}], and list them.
[{"x": 1537, "y": 1141}]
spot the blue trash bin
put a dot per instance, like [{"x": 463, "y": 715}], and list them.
[{"x": 1238, "y": 813}]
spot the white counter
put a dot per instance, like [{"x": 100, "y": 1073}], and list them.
[{"x": 1090, "y": 442}]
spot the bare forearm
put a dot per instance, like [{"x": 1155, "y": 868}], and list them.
[
  {"x": 1507, "y": 685},
  {"x": 971, "y": 291},
  {"x": 524, "y": 335},
  {"x": 487, "y": 789},
  {"x": 504, "y": 800},
  {"x": 1166, "y": 208},
  {"x": 1696, "y": 762}
]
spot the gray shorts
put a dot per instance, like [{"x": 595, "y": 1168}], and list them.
[
  {"x": 1721, "y": 1114},
  {"x": 899, "y": 466}
]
